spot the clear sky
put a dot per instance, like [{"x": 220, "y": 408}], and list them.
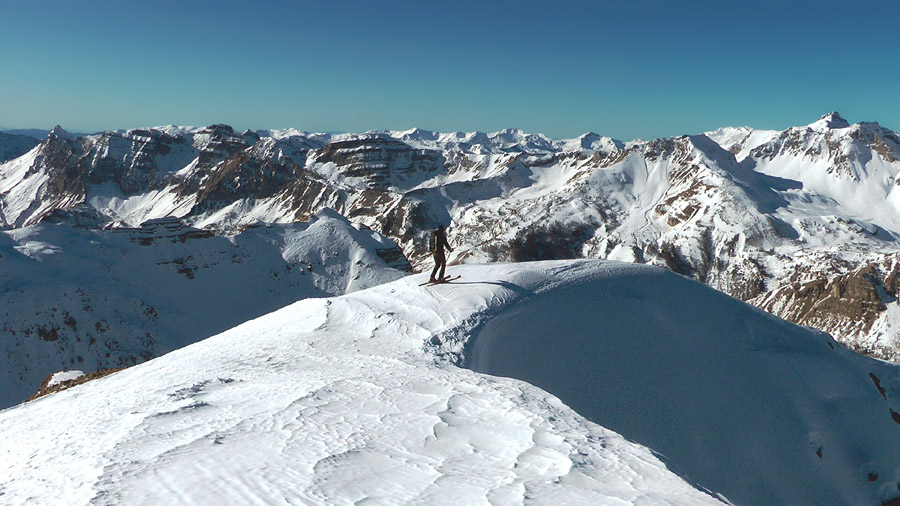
[{"x": 627, "y": 69}]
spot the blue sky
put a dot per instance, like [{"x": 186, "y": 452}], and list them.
[{"x": 625, "y": 69}]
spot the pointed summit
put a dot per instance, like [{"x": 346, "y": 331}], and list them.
[
  {"x": 59, "y": 132},
  {"x": 418, "y": 134},
  {"x": 593, "y": 141},
  {"x": 830, "y": 121}
]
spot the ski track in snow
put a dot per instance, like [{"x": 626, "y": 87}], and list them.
[{"x": 332, "y": 401}]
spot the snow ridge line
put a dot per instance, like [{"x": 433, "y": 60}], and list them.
[{"x": 451, "y": 346}]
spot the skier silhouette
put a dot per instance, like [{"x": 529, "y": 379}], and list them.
[{"x": 437, "y": 244}]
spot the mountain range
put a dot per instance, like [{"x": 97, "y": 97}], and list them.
[{"x": 802, "y": 222}]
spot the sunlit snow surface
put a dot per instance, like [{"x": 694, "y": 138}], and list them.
[
  {"x": 64, "y": 376},
  {"x": 357, "y": 399},
  {"x": 91, "y": 299}
]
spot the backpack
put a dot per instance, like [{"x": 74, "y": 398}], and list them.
[{"x": 433, "y": 243}]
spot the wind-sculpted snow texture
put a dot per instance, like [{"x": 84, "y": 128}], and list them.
[
  {"x": 94, "y": 299},
  {"x": 740, "y": 402},
  {"x": 330, "y": 401},
  {"x": 765, "y": 216},
  {"x": 361, "y": 398}
]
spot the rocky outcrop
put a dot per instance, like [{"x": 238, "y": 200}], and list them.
[
  {"x": 555, "y": 241},
  {"x": 169, "y": 229},
  {"x": 846, "y": 305},
  {"x": 379, "y": 161},
  {"x": 47, "y": 388}
]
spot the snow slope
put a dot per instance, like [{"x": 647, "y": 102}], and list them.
[
  {"x": 358, "y": 399},
  {"x": 96, "y": 299},
  {"x": 740, "y": 402}
]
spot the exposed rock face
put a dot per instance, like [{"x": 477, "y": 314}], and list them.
[
  {"x": 395, "y": 258},
  {"x": 57, "y": 160},
  {"x": 554, "y": 242},
  {"x": 378, "y": 160},
  {"x": 169, "y": 229},
  {"x": 762, "y": 216},
  {"x": 849, "y": 304}
]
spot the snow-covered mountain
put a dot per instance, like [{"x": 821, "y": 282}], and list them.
[
  {"x": 634, "y": 395},
  {"x": 74, "y": 298},
  {"x": 765, "y": 216},
  {"x": 14, "y": 145}
]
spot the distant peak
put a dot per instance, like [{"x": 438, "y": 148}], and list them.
[
  {"x": 509, "y": 131},
  {"x": 830, "y": 121},
  {"x": 418, "y": 133},
  {"x": 250, "y": 134},
  {"x": 328, "y": 212},
  {"x": 221, "y": 128},
  {"x": 59, "y": 132}
]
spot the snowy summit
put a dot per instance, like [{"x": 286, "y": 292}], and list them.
[
  {"x": 598, "y": 383},
  {"x": 830, "y": 121}
]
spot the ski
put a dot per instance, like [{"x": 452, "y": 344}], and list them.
[{"x": 442, "y": 281}]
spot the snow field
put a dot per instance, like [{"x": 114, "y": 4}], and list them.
[
  {"x": 332, "y": 401},
  {"x": 360, "y": 398},
  {"x": 738, "y": 401}
]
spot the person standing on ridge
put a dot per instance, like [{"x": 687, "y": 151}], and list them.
[{"x": 437, "y": 244}]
